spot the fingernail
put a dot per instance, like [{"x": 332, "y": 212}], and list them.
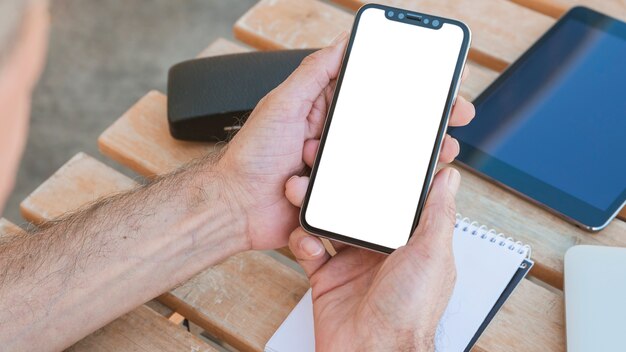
[
  {"x": 339, "y": 38},
  {"x": 454, "y": 180},
  {"x": 291, "y": 178},
  {"x": 311, "y": 246},
  {"x": 458, "y": 147}
]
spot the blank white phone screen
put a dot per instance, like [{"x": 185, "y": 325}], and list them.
[{"x": 383, "y": 129}]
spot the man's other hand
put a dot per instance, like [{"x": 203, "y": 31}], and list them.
[{"x": 363, "y": 300}]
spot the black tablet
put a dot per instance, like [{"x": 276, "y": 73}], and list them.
[{"x": 552, "y": 127}]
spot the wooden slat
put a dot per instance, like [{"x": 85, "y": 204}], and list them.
[
  {"x": 8, "y": 229},
  {"x": 551, "y": 8},
  {"x": 141, "y": 330},
  {"x": 242, "y": 300},
  {"x": 58, "y": 195},
  {"x": 222, "y": 46},
  {"x": 533, "y": 319},
  {"x": 479, "y": 78},
  {"x": 501, "y": 30},
  {"x": 556, "y": 8},
  {"x": 549, "y": 236}
]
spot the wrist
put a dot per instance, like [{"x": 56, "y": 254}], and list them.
[{"x": 216, "y": 191}]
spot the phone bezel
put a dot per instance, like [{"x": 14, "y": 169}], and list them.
[{"x": 454, "y": 85}]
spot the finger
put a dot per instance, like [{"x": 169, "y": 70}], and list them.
[
  {"x": 308, "y": 250},
  {"x": 449, "y": 150},
  {"x": 436, "y": 224},
  {"x": 295, "y": 189},
  {"x": 314, "y": 74},
  {"x": 462, "y": 113},
  {"x": 309, "y": 151},
  {"x": 317, "y": 117}
]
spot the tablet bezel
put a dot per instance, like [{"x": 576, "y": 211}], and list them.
[{"x": 563, "y": 204}]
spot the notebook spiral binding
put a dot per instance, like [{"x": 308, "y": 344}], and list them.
[{"x": 476, "y": 229}]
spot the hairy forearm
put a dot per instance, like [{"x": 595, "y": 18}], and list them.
[{"x": 80, "y": 272}]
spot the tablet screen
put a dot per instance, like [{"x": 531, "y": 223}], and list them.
[{"x": 557, "y": 119}]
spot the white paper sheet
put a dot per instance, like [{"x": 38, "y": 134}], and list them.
[{"x": 485, "y": 264}]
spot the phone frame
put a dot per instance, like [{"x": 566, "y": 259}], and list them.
[{"x": 443, "y": 125}]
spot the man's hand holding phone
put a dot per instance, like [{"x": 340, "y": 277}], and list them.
[
  {"x": 363, "y": 299},
  {"x": 360, "y": 297}
]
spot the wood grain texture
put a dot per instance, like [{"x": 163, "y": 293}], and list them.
[
  {"x": 73, "y": 186},
  {"x": 7, "y": 228},
  {"x": 242, "y": 300},
  {"x": 534, "y": 319},
  {"x": 551, "y": 8},
  {"x": 300, "y": 26},
  {"x": 556, "y": 8},
  {"x": 141, "y": 330},
  {"x": 498, "y": 38},
  {"x": 501, "y": 30},
  {"x": 549, "y": 236}
]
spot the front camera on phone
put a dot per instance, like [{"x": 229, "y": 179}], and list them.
[
  {"x": 390, "y": 13},
  {"x": 435, "y": 23}
]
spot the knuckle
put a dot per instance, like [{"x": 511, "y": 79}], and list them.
[
  {"x": 310, "y": 60},
  {"x": 435, "y": 212},
  {"x": 449, "y": 209}
]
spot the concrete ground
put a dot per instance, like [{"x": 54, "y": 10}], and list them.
[{"x": 103, "y": 56}]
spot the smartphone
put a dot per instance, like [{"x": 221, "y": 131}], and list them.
[{"x": 379, "y": 147}]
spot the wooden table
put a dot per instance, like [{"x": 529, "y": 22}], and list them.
[{"x": 242, "y": 301}]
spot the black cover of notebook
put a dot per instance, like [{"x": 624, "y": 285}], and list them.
[{"x": 515, "y": 280}]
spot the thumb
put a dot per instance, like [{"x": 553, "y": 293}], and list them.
[
  {"x": 436, "y": 224},
  {"x": 313, "y": 75}
]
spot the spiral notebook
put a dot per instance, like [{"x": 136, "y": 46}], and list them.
[{"x": 489, "y": 266}]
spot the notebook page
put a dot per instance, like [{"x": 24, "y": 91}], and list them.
[
  {"x": 296, "y": 332},
  {"x": 484, "y": 268}
]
